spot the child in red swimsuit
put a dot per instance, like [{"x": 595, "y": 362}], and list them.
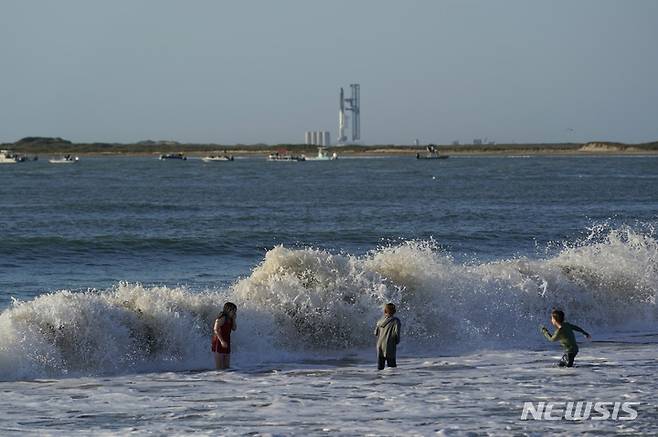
[{"x": 221, "y": 339}]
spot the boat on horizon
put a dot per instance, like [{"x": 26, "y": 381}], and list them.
[
  {"x": 66, "y": 159},
  {"x": 218, "y": 158},
  {"x": 8, "y": 157},
  {"x": 285, "y": 156},
  {"x": 323, "y": 156},
  {"x": 432, "y": 153},
  {"x": 174, "y": 156}
]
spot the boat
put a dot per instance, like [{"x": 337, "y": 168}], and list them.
[
  {"x": 430, "y": 156},
  {"x": 66, "y": 159},
  {"x": 323, "y": 156},
  {"x": 173, "y": 156},
  {"x": 285, "y": 156},
  {"x": 431, "y": 153},
  {"x": 218, "y": 158},
  {"x": 7, "y": 157}
]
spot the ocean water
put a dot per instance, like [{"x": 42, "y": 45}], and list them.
[{"x": 113, "y": 269}]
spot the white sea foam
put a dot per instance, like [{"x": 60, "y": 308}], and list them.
[
  {"x": 481, "y": 392},
  {"x": 309, "y": 301}
]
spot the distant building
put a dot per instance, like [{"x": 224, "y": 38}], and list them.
[
  {"x": 455, "y": 143},
  {"x": 477, "y": 141},
  {"x": 416, "y": 142},
  {"x": 317, "y": 138}
]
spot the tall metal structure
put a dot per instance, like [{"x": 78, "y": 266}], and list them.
[
  {"x": 352, "y": 104},
  {"x": 317, "y": 138},
  {"x": 341, "y": 118}
]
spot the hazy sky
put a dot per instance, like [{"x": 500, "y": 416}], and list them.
[{"x": 266, "y": 71}]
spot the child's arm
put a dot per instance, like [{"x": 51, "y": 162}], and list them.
[
  {"x": 579, "y": 329},
  {"x": 396, "y": 331},
  {"x": 548, "y": 335}
]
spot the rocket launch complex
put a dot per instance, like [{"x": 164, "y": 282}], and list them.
[{"x": 351, "y": 104}]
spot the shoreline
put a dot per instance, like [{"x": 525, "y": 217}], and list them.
[
  {"x": 58, "y": 146},
  {"x": 365, "y": 154}
]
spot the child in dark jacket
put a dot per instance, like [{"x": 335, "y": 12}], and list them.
[{"x": 388, "y": 337}]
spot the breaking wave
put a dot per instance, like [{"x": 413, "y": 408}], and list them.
[{"x": 310, "y": 301}]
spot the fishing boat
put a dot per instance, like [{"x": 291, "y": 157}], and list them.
[
  {"x": 66, "y": 159},
  {"x": 430, "y": 156},
  {"x": 285, "y": 157},
  {"x": 174, "y": 156},
  {"x": 218, "y": 158},
  {"x": 323, "y": 156},
  {"x": 7, "y": 157},
  {"x": 432, "y": 153}
]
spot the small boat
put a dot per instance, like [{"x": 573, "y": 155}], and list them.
[
  {"x": 432, "y": 153},
  {"x": 7, "y": 157},
  {"x": 218, "y": 158},
  {"x": 430, "y": 156},
  {"x": 66, "y": 159},
  {"x": 286, "y": 157},
  {"x": 323, "y": 156},
  {"x": 173, "y": 156}
]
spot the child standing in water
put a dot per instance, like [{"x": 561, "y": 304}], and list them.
[
  {"x": 221, "y": 339},
  {"x": 388, "y": 337},
  {"x": 564, "y": 334}
]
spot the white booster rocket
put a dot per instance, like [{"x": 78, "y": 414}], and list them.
[
  {"x": 353, "y": 104},
  {"x": 342, "y": 122}
]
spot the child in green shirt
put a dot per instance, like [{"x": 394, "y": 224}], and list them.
[{"x": 564, "y": 334}]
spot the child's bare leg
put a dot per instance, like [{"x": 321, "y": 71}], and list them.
[
  {"x": 223, "y": 361},
  {"x": 227, "y": 361},
  {"x": 218, "y": 360}
]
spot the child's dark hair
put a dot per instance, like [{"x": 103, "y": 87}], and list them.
[
  {"x": 389, "y": 308},
  {"x": 558, "y": 315},
  {"x": 228, "y": 307}
]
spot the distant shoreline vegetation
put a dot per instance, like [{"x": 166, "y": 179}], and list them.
[{"x": 56, "y": 145}]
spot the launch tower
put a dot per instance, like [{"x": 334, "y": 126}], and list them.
[{"x": 352, "y": 104}]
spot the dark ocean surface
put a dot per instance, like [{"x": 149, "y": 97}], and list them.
[{"x": 203, "y": 225}]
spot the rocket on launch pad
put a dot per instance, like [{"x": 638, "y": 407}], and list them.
[{"x": 354, "y": 103}]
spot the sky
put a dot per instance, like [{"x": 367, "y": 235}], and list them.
[{"x": 266, "y": 71}]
